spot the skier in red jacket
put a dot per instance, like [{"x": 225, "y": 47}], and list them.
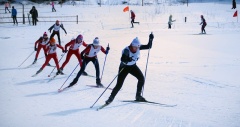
[
  {"x": 52, "y": 54},
  {"x": 133, "y": 18},
  {"x": 41, "y": 43},
  {"x": 90, "y": 54},
  {"x": 74, "y": 49}
]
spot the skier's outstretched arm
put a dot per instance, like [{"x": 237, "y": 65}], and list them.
[
  {"x": 149, "y": 45},
  {"x": 51, "y": 28},
  {"x": 63, "y": 28}
]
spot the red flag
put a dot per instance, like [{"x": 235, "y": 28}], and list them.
[
  {"x": 126, "y": 9},
  {"x": 235, "y": 14}
]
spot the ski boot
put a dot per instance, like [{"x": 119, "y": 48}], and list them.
[
  {"x": 35, "y": 60},
  {"x": 40, "y": 70},
  {"x": 140, "y": 98},
  {"x": 59, "y": 72},
  {"x": 99, "y": 84},
  {"x": 110, "y": 99},
  {"x": 72, "y": 83},
  {"x": 85, "y": 73}
]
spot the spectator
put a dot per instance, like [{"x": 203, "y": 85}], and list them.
[
  {"x": 14, "y": 15},
  {"x": 34, "y": 14}
]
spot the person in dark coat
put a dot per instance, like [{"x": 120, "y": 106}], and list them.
[
  {"x": 234, "y": 6},
  {"x": 34, "y": 14},
  {"x": 14, "y": 15},
  {"x": 204, "y": 24}
]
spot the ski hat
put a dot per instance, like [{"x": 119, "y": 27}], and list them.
[
  {"x": 201, "y": 16},
  {"x": 57, "y": 21},
  {"x": 44, "y": 34},
  {"x": 52, "y": 40},
  {"x": 136, "y": 42},
  {"x": 79, "y": 37},
  {"x": 96, "y": 41}
]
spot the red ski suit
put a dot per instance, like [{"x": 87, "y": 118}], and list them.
[
  {"x": 42, "y": 44},
  {"x": 74, "y": 49},
  {"x": 52, "y": 54}
]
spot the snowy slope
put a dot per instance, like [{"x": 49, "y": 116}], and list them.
[{"x": 199, "y": 73}]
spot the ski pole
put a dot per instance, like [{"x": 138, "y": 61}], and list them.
[
  {"x": 55, "y": 67},
  {"x": 145, "y": 75},
  {"x": 104, "y": 64},
  {"x": 107, "y": 88},
  {"x": 26, "y": 59},
  {"x": 68, "y": 77}
]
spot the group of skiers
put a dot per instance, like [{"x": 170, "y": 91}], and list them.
[
  {"x": 170, "y": 21},
  {"x": 130, "y": 55},
  {"x": 49, "y": 47},
  {"x": 203, "y": 23}
]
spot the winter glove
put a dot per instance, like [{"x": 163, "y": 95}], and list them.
[
  {"x": 129, "y": 59},
  {"x": 65, "y": 51},
  {"x": 82, "y": 56},
  {"x": 151, "y": 36},
  {"x": 35, "y": 48},
  {"x": 107, "y": 50},
  {"x": 49, "y": 30},
  {"x": 126, "y": 59}
]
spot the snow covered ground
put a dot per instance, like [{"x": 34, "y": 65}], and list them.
[{"x": 198, "y": 73}]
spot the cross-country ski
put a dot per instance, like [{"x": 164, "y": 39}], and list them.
[{"x": 150, "y": 102}]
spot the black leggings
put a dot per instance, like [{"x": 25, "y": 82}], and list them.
[
  {"x": 58, "y": 34},
  {"x": 123, "y": 72},
  {"x": 84, "y": 64},
  {"x": 132, "y": 21},
  {"x": 203, "y": 28},
  {"x": 34, "y": 21},
  {"x": 15, "y": 19}
]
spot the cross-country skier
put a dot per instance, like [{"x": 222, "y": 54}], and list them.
[
  {"x": 90, "y": 54},
  {"x": 203, "y": 23},
  {"x": 74, "y": 49},
  {"x": 53, "y": 8},
  {"x": 41, "y": 43},
  {"x": 128, "y": 65},
  {"x": 14, "y": 15},
  {"x": 7, "y": 5},
  {"x": 170, "y": 22},
  {"x": 56, "y": 30},
  {"x": 52, "y": 54},
  {"x": 133, "y": 18},
  {"x": 34, "y": 14}
]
